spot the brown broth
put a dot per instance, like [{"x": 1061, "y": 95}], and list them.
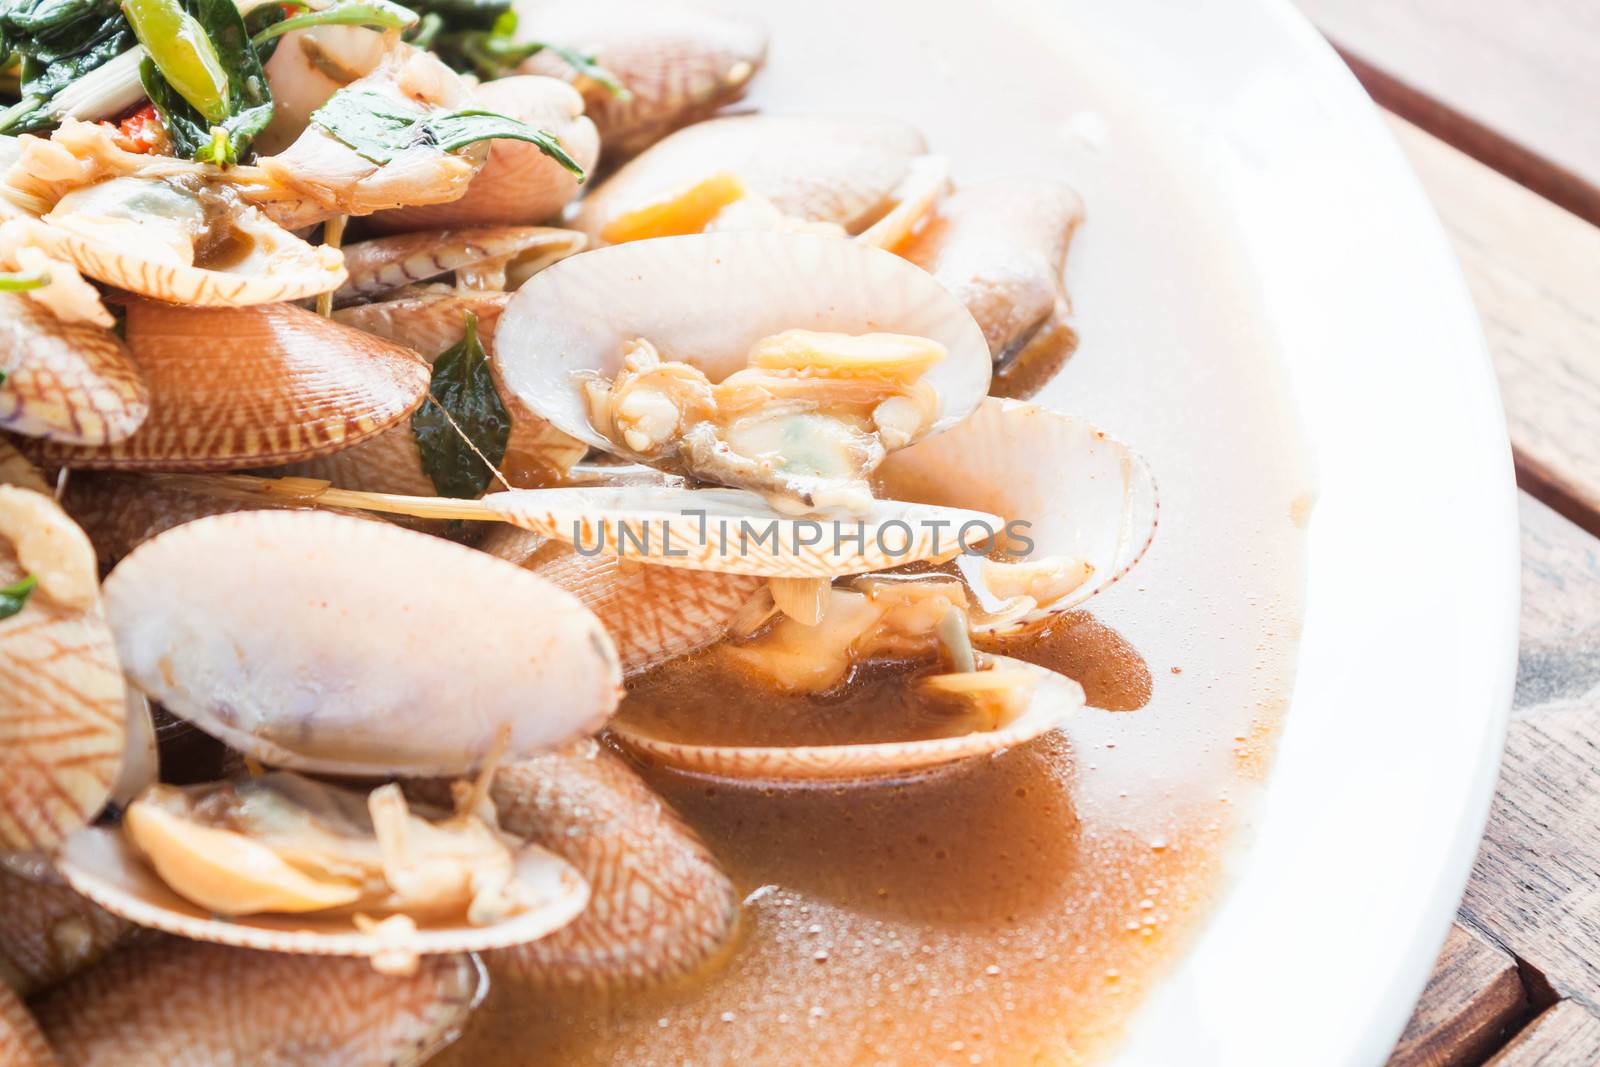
[{"x": 1014, "y": 910}]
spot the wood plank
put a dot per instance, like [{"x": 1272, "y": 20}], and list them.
[
  {"x": 1513, "y": 84},
  {"x": 1560, "y": 661},
  {"x": 1564, "y": 1035},
  {"x": 1534, "y": 271},
  {"x": 1473, "y": 998}
]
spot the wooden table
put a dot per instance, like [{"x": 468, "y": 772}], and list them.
[{"x": 1498, "y": 106}]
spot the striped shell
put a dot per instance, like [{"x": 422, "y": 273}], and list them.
[
  {"x": 68, "y": 382},
  {"x": 383, "y": 264},
  {"x": 279, "y": 266},
  {"x": 823, "y": 168},
  {"x": 1055, "y": 699},
  {"x": 661, "y": 906},
  {"x": 324, "y": 643},
  {"x": 1084, "y": 495},
  {"x": 48, "y": 932},
  {"x": 678, "y": 63},
  {"x": 234, "y": 388},
  {"x": 1000, "y": 247},
  {"x": 62, "y": 710},
  {"x": 104, "y": 866},
  {"x": 171, "y": 1003},
  {"x": 518, "y": 184},
  {"x": 735, "y": 532},
  {"x": 22, "y": 1044},
  {"x": 653, "y": 613},
  {"x": 577, "y": 315}
]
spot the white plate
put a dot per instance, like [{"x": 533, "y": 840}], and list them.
[
  {"x": 1389, "y": 758},
  {"x": 1373, "y": 809}
]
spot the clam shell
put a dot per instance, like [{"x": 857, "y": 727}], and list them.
[
  {"x": 172, "y": 1003},
  {"x": 48, "y": 932},
  {"x": 105, "y": 867},
  {"x": 281, "y": 266},
  {"x": 309, "y": 66},
  {"x": 823, "y": 168},
  {"x": 1055, "y": 699},
  {"x": 653, "y": 613},
  {"x": 141, "y": 756},
  {"x": 661, "y": 906},
  {"x": 22, "y": 1044},
  {"x": 1000, "y": 246},
  {"x": 324, "y": 643},
  {"x": 68, "y": 382},
  {"x": 518, "y": 184},
  {"x": 735, "y": 532},
  {"x": 387, "y": 263},
  {"x": 16, "y": 469},
  {"x": 234, "y": 388},
  {"x": 62, "y": 714},
  {"x": 576, "y": 315},
  {"x": 678, "y": 63},
  {"x": 1084, "y": 494}
]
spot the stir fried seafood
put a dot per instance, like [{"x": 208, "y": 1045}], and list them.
[{"x": 414, "y": 453}]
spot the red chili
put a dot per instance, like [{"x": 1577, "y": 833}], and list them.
[{"x": 142, "y": 131}]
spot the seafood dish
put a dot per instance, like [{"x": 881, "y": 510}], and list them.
[{"x": 522, "y": 528}]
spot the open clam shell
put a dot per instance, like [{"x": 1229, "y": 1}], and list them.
[
  {"x": 324, "y": 643},
  {"x": 576, "y": 316},
  {"x": 159, "y": 1005},
  {"x": 735, "y": 532},
  {"x": 233, "y": 388},
  {"x": 105, "y": 867},
  {"x": 653, "y": 613},
  {"x": 62, "y": 709},
  {"x": 70, "y": 382},
  {"x": 267, "y": 265},
  {"x": 1083, "y": 494},
  {"x": 678, "y": 63},
  {"x": 518, "y": 184},
  {"x": 1055, "y": 698},
  {"x": 383, "y": 264},
  {"x": 840, "y": 169}
]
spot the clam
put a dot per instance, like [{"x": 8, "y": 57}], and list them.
[
  {"x": 653, "y": 613},
  {"x": 157, "y": 1005},
  {"x": 298, "y": 639},
  {"x": 1088, "y": 502},
  {"x": 661, "y": 905},
  {"x": 822, "y": 355},
  {"x": 62, "y": 709},
  {"x": 287, "y": 864},
  {"x": 493, "y": 257},
  {"x": 1016, "y": 702},
  {"x": 431, "y": 322},
  {"x": 72, "y": 382},
  {"x": 21, "y": 1042},
  {"x": 180, "y": 239},
  {"x": 1000, "y": 246},
  {"x": 247, "y": 387},
  {"x": 834, "y": 169},
  {"x": 519, "y": 184},
  {"x": 677, "y": 63},
  {"x": 48, "y": 932},
  {"x": 306, "y": 68},
  {"x": 16, "y": 469}
]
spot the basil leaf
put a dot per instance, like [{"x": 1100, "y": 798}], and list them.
[
  {"x": 494, "y": 52},
  {"x": 378, "y": 14},
  {"x": 249, "y": 103},
  {"x": 379, "y": 128},
  {"x": 464, "y": 14},
  {"x": 463, "y": 390},
  {"x": 14, "y": 597},
  {"x": 58, "y": 42}
]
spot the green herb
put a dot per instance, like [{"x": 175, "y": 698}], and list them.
[
  {"x": 462, "y": 400},
  {"x": 15, "y": 596},
  {"x": 57, "y": 43},
  {"x": 244, "y": 103},
  {"x": 378, "y": 14},
  {"x": 493, "y": 52},
  {"x": 375, "y": 127},
  {"x": 16, "y": 283}
]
